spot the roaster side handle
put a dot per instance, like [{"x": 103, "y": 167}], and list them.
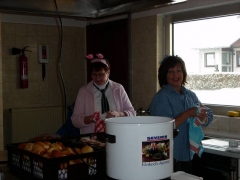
[
  {"x": 110, "y": 138},
  {"x": 175, "y": 132}
]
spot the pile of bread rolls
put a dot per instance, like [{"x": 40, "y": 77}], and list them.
[{"x": 53, "y": 150}]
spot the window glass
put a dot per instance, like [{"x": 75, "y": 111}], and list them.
[
  {"x": 225, "y": 59},
  {"x": 238, "y": 58},
  {"x": 209, "y": 59},
  {"x": 210, "y": 48}
]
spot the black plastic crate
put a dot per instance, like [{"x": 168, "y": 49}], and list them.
[{"x": 27, "y": 165}]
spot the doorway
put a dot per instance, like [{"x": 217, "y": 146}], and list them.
[{"x": 111, "y": 40}]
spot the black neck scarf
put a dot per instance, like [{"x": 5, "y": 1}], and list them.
[{"x": 104, "y": 101}]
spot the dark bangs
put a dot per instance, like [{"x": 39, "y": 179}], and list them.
[{"x": 98, "y": 66}]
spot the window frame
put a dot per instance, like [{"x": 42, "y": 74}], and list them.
[
  {"x": 238, "y": 58},
  {"x": 206, "y": 59},
  {"x": 197, "y": 14}
]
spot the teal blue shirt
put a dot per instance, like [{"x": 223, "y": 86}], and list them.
[{"x": 169, "y": 103}]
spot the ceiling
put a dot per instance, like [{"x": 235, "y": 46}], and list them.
[{"x": 82, "y": 8}]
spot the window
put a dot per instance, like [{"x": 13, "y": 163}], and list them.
[
  {"x": 207, "y": 45},
  {"x": 227, "y": 61},
  {"x": 238, "y": 58},
  {"x": 209, "y": 59}
]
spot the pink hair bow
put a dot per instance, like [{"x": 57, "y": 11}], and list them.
[
  {"x": 99, "y": 58},
  {"x": 89, "y": 56}
]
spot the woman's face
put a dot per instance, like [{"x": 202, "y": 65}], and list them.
[
  {"x": 100, "y": 77},
  {"x": 175, "y": 77}
]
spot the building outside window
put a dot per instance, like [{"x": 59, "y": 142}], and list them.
[{"x": 208, "y": 47}]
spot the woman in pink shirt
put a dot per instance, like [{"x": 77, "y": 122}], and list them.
[{"x": 100, "y": 95}]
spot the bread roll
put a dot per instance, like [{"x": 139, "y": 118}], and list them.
[
  {"x": 79, "y": 150},
  {"x": 60, "y": 145},
  {"x": 75, "y": 161},
  {"x": 46, "y": 144},
  {"x": 56, "y": 146},
  {"x": 87, "y": 149},
  {"x": 84, "y": 149},
  {"x": 56, "y": 154},
  {"x": 40, "y": 144},
  {"x": 68, "y": 151},
  {"x": 29, "y": 146},
  {"x": 47, "y": 155},
  {"x": 49, "y": 151},
  {"x": 56, "y": 149},
  {"x": 63, "y": 166},
  {"x": 38, "y": 148},
  {"x": 22, "y": 145}
]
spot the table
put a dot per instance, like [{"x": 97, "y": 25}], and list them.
[{"x": 220, "y": 146}]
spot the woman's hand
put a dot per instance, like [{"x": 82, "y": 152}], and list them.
[
  {"x": 191, "y": 112},
  {"x": 111, "y": 114},
  {"x": 202, "y": 115},
  {"x": 88, "y": 120},
  {"x": 92, "y": 118}
]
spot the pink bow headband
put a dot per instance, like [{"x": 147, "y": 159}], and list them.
[{"x": 98, "y": 59}]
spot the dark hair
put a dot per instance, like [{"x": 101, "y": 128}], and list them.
[
  {"x": 167, "y": 63},
  {"x": 98, "y": 66}
]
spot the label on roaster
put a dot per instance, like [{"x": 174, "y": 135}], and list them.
[{"x": 155, "y": 151}]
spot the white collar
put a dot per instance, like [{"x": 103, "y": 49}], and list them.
[{"x": 101, "y": 86}]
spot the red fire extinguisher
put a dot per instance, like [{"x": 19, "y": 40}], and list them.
[{"x": 23, "y": 66}]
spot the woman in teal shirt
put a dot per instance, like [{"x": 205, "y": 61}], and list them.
[{"x": 175, "y": 101}]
